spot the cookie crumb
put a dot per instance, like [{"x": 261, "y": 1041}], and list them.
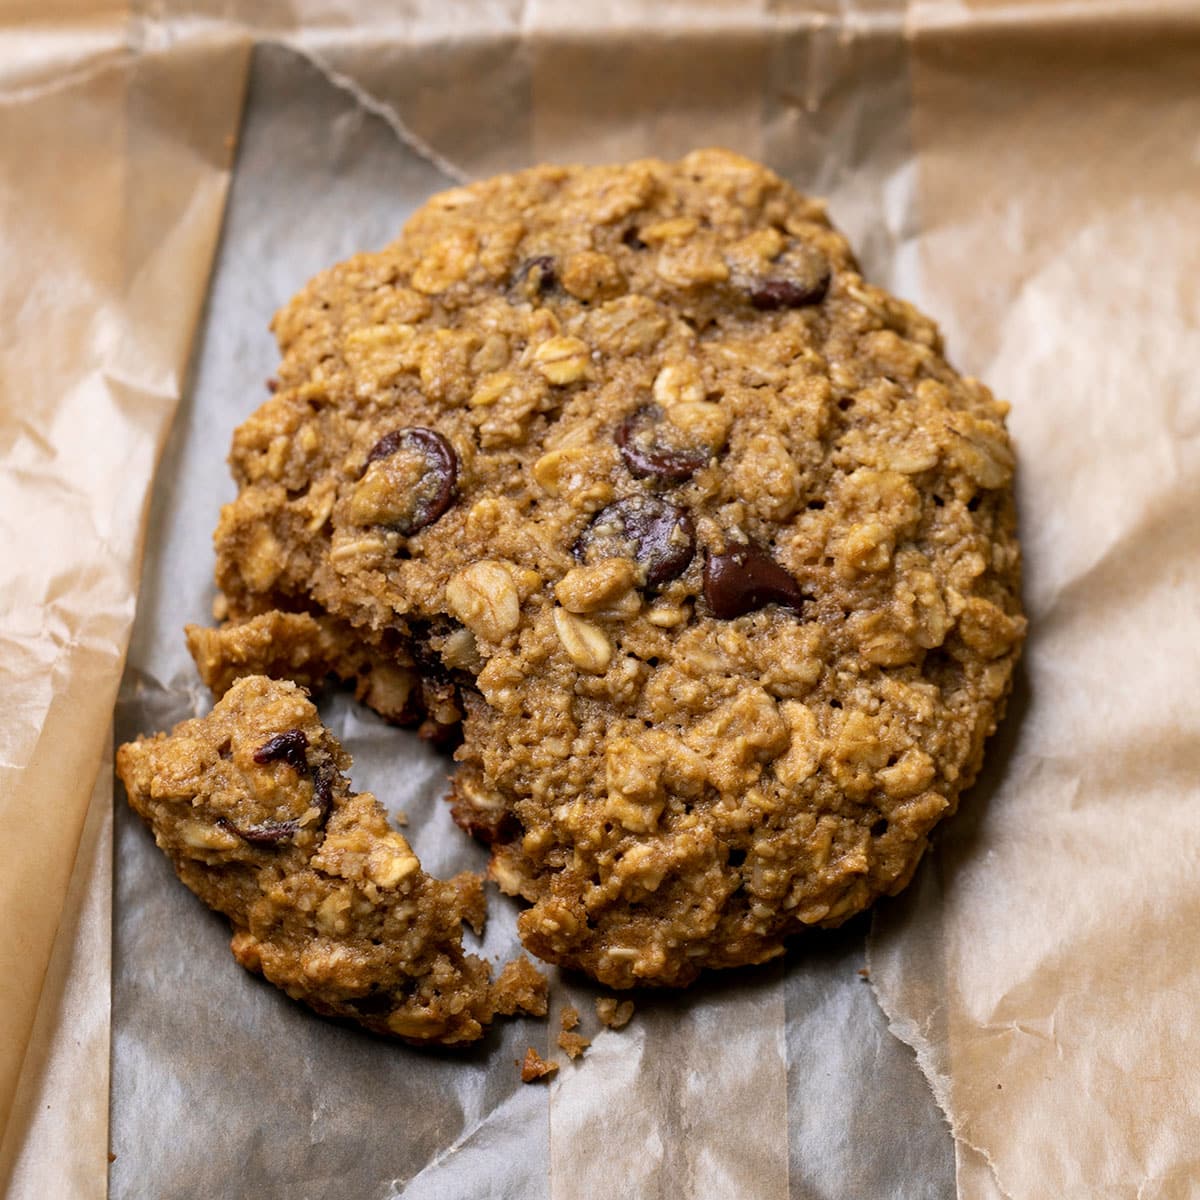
[
  {"x": 614, "y": 1014},
  {"x": 865, "y": 972},
  {"x": 573, "y": 1043},
  {"x": 569, "y": 1018},
  {"x": 520, "y": 987},
  {"x": 535, "y": 1067}
]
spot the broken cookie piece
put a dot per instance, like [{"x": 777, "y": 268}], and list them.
[
  {"x": 309, "y": 649},
  {"x": 328, "y": 901},
  {"x": 536, "y": 1067}
]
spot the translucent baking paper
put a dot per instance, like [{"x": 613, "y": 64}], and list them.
[{"x": 1027, "y": 173}]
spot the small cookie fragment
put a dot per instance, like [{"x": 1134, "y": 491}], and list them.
[
  {"x": 536, "y": 1067},
  {"x": 613, "y": 1013},
  {"x": 252, "y": 805},
  {"x": 573, "y": 1043}
]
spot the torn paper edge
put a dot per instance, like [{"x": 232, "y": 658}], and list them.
[
  {"x": 905, "y": 1030},
  {"x": 386, "y": 112}
]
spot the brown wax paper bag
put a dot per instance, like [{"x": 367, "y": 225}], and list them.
[
  {"x": 1019, "y": 170},
  {"x": 110, "y": 198},
  {"x": 1044, "y": 964}
]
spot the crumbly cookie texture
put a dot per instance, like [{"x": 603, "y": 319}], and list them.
[
  {"x": 252, "y": 805},
  {"x": 716, "y": 547},
  {"x": 308, "y": 649},
  {"x": 535, "y": 1068}
]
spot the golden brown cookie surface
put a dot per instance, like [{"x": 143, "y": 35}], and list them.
[{"x": 716, "y": 547}]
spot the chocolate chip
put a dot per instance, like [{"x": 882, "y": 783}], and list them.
[
  {"x": 660, "y": 536},
  {"x": 290, "y": 747},
  {"x": 435, "y": 493},
  {"x": 746, "y": 579},
  {"x": 645, "y": 455},
  {"x": 537, "y": 275}
]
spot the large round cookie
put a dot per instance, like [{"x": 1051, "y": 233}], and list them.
[{"x": 715, "y": 547}]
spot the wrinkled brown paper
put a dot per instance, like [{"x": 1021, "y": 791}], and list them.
[
  {"x": 1029, "y": 173},
  {"x": 1045, "y": 966}
]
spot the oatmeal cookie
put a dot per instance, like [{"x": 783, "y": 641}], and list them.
[
  {"x": 252, "y": 805},
  {"x": 716, "y": 548}
]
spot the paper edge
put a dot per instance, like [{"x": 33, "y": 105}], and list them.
[{"x": 31, "y": 1151}]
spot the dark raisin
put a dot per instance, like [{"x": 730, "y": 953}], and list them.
[
  {"x": 435, "y": 493},
  {"x": 290, "y": 747},
  {"x": 799, "y": 277},
  {"x": 645, "y": 455},
  {"x": 266, "y": 833},
  {"x": 769, "y": 294},
  {"x": 746, "y": 579},
  {"x": 660, "y": 536}
]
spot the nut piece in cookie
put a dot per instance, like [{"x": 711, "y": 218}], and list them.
[{"x": 253, "y": 807}]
